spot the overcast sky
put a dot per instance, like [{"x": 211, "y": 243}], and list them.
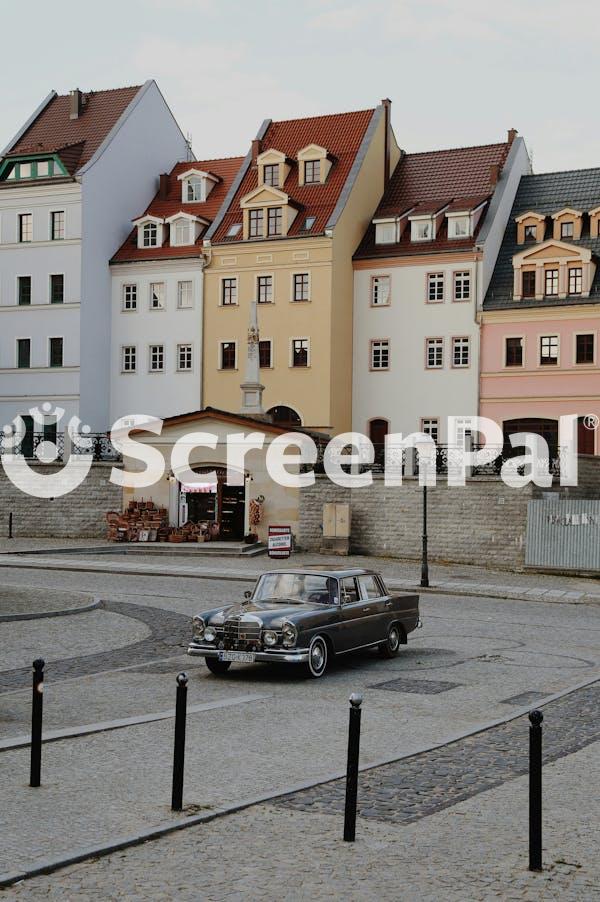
[{"x": 459, "y": 72}]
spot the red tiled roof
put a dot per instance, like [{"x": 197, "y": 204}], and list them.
[
  {"x": 53, "y": 131},
  {"x": 460, "y": 175},
  {"x": 225, "y": 170},
  {"x": 341, "y": 134}
]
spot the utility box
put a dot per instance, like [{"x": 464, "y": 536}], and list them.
[{"x": 336, "y": 528}]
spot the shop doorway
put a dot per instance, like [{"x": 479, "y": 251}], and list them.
[{"x": 221, "y": 506}]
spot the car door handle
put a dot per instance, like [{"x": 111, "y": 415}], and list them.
[
  {"x": 388, "y": 603},
  {"x": 366, "y": 609}
]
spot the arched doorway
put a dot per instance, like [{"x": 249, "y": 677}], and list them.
[
  {"x": 285, "y": 416},
  {"x": 547, "y": 429},
  {"x": 217, "y": 504},
  {"x": 378, "y": 429}
]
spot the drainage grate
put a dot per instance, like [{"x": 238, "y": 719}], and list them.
[
  {"x": 421, "y": 687},
  {"x": 525, "y": 698}
]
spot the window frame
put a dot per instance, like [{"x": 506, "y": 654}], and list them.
[
  {"x": 278, "y": 211},
  {"x": 180, "y": 294},
  {"x": 271, "y": 277},
  {"x": 381, "y": 341},
  {"x": 256, "y": 217},
  {"x": 273, "y": 168},
  {"x": 149, "y": 225},
  {"x": 428, "y": 277},
  {"x": 301, "y": 275},
  {"x": 152, "y": 370},
  {"x": 514, "y": 366},
  {"x": 458, "y": 278},
  {"x": 232, "y": 290},
  {"x": 180, "y": 347},
  {"x": 466, "y": 343},
  {"x": 293, "y": 341},
  {"x": 591, "y": 335},
  {"x": 374, "y": 280},
  {"x": 527, "y": 273},
  {"x": 435, "y": 420},
  {"x": 567, "y": 222},
  {"x": 29, "y": 341},
  {"x": 220, "y": 347},
  {"x": 555, "y": 277},
  {"x": 18, "y": 290},
  {"x": 132, "y": 308},
  {"x": 572, "y": 269},
  {"x": 21, "y": 216},
  {"x": 52, "y": 214},
  {"x": 56, "y": 366},
  {"x": 124, "y": 350},
  {"x": 441, "y": 345},
  {"x": 556, "y": 360},
  {"x": 163, "y": 304},
  {"x": 315, "y": 168},
  {"x": 52, "y": 276},
  {"x": 270, "y": 365}
]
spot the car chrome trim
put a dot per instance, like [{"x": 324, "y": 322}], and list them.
[
  {"x": 293, "y": 656},
  {"x": 358, "y": 647}
]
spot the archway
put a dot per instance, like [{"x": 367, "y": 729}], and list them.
[{"x": 285, "y": 416}]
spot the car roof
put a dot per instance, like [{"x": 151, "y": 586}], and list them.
[{"x": 326, "y": 570}]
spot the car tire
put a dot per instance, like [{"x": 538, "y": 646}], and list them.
[
  {"x": 216, "y": 666},
  {"x": 317, "y": 658},
  {"x": 391, "y": 646}
]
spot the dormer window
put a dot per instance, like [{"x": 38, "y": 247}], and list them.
[
  {"x": 421, "y": 230},
  {"x": 567, "y": 224},
  {"x": 274, "y": 221},
  {"x": 271, "y": 175},
  {"x": 312, "y": 172},
  {"x": 150, "y": 235},
  {"x": 386, "y": 232},
  {"x": 530, "y": 232},
  {"x": 458, "y": 226},
  {"x": 194, "y": 189},
  {"x": 182, "y": 232},
  {"x": 149, "y": 231},
  {"x": 273, "y": 168},
  {"x": 256, "y": 224},
  {"x": 196, "y": 185},
  {"x": 185, "y": 228},
  {"x": 16, "y": 170},
  {"x": 531, "y": 226},
  {"x": 314, "y": 165},
  {"x": 566, "y": 229}
]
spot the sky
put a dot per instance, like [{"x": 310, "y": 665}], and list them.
[{"x": 458, "y": 72}]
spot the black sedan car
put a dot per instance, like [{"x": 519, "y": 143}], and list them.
[{"x": 306, "y": 617}]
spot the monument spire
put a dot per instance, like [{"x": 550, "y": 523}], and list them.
[{"x": 252, "y": 387}]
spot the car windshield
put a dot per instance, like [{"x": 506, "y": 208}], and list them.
[{"x": 297, "y": 588}]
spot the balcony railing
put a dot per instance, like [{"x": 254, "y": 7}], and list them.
[{"x": 99, "y": 445}]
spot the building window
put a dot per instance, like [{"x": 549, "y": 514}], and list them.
[
  {"x": 229, "y": 291},
  {"x": 24, "y": 290},
  {"x": 23, "y": 353},
  {"x": 264, "y": 353},
  {"x": 431, "y": 426},
  {"x": 228, "y": 355},
  {"x": 129, "y": 297},
  {"x": 460, "y": 351},
  {"x": 233, "y": 230},
  {"x": 434, "y": 348},
  {"x": 312, "y": 172},
  {"x": 271, "y": 175},
  {"x": 150, "y": 235},
  {"x": 575, "y": 280},
  {"x": 308, "y": 223},
  {"x": 156, "y": 358},
  {"x": 301, "y": 287},
  {"x": 25, "y": 227},
  {"x": 549, "y": 350},
  {"x": 300, "y": 352},
  {"x": 462, "y": 286},
  {"x": 514, "y": 352},
  {"x": 458, "y": 227},
  {"x": 128, "y": 359},
  {"x": 183, "y": 233},
  {"x": 528, "y": 284},
  {"x": 421, "y": 230},
  {"x": 25, "y": 170},
  {"x": 566, "y": 230},
  {"x": 385, "y": 232},
  {"x": 185, "y": 295},
  {"x": 380, "y": 354},
  {"x": 184, "y": 358},
  {"x": 256, "y": 223},
  {"x": 264, "y": 289},
  {"x": 56, "y": 351},
  {"x": 57, "y": 289},
  {"x": 551, "y": 282},
  {"x": 57, "y": 225},
  {"x": 274, "y": 221},
  {"x": 157, "y": 295},
  {"x": 380, "y": 291},
  {"x": 195, "y": 190},
  {"x": 584, "y": 348},
  {"x": 435, "y": 287},
  {"x": 530, "y": 232}
]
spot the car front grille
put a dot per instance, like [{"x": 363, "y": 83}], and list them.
[{"x": 241, "y": 632}]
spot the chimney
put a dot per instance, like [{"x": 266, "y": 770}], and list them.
[
  {"x": 387, "y": 114},
  {"x": 512, "y": 134},
  {"x": 75, "y": 104},
  {"x": 255, "y": 150},
  {"x": 163, "y": 185},
  {"x": 494, "y": 174}
]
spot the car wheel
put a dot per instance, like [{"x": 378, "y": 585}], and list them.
[
  {"x": 391, "y": 646},
  {"x": 317, "y": 658},
  {"x": 216, "y": 666}
]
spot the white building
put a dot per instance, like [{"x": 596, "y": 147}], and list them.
[
  {"x": 421, "y": 273},
  {"x": 70, "y": 181},
  {"x": 157, "y": 293}
]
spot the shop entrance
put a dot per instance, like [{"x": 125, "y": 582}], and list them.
[{"x": 222, "y": 507}]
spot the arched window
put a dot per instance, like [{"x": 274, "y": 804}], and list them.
[{"x": 284, "y": 416}]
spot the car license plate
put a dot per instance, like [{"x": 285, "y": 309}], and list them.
[{"x": 242, "y": 657}]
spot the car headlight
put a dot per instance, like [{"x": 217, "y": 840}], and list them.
[
  {"x": 198, "y": 627},
  {"x": 270, "y": 637},
  {"x": 289, "y": 633},
  {"x": 210, "y": 634}
]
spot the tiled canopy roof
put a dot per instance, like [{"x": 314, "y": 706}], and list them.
[
  {"x": 225, "y": 171},
  {"x": 341, "y": 134},
  {"x": 460, "y": 177},
  {"x": 546, "y": 194},
  {"x": 53, "y": 131}
]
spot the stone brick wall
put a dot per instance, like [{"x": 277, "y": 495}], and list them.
[{"x": 81, "y": 514}]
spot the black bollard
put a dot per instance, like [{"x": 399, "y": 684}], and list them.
[
  {"x": 535, "y": 791},
  {"x": 10, "y": 525},
  {"x": 179, "y": 747},
  {"x": 37, "y": 704},
  {"x": 352, "y": 768}
]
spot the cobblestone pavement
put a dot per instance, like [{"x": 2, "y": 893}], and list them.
[
  {"x": 475, "y": 851},
  {"x": 15, "y": 599}
]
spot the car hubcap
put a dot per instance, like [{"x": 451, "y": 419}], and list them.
[
  {"x": 394, "y": 639},
  {"x": 317, "y": 657}
]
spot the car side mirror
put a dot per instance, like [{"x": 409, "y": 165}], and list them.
[{"x": 248, "y": 593}]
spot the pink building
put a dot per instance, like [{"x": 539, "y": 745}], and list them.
[{"x": 541, "y": 315}]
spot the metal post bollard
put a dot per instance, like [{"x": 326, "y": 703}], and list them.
[
  {"x": 352, "y": 768},
  {"x": 179, "y": 747},
  {"x": 10, "y": 525},
  {"x": 535, "y": 791},
  {"x": 424, "y": 559},
  {"x": 37, "y": 704}
]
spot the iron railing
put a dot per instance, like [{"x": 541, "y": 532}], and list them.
[{"x": 96, "y": 443}]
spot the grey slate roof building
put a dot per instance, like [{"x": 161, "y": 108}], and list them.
[{"x": 546, "y": 194}]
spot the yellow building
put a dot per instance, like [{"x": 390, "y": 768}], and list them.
[{"x": 285, "y": 237}]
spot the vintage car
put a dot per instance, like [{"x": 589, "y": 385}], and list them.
[{"x": 305, "y": 617}]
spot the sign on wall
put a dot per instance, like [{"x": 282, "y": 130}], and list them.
[
  {"x": 563, "y": 535},
  {"x": 280, "y": 541}
]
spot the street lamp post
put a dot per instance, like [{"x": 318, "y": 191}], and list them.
[{"x": 424, "y": 562}]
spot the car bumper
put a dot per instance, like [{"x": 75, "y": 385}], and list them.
[{"x": 291, "y": 656}]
